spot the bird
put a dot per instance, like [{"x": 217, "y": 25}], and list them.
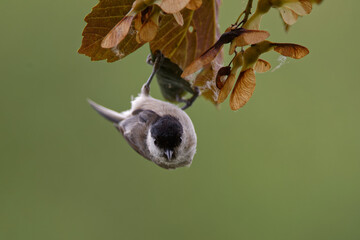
[{"x": 159, "y": 131}]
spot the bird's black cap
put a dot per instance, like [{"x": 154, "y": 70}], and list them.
[{"x": 167, "y": 132}]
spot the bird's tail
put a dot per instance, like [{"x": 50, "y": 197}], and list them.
[{"x": 109, "y": 114}]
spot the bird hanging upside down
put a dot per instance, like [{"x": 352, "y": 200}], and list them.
[{"x": 159, "y": 131}]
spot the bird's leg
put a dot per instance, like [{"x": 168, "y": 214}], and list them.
[
  {"x": 180, "y": 99},
  {"x": 190, "y": 101},
  {"x": 156, "y": 66}
]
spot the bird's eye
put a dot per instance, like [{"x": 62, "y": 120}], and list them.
[{"x": 156, "y": 142}]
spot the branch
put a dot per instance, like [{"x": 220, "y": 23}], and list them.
[{"x": 247, "y": 12}]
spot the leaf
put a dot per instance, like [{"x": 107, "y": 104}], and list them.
[
  {"x": 103, "y": 17},
  {"x": 118, "y": 33},
  {"x": 243, "y": 90},
  {"x": 194, "y": 4},
  {"x": 288, "y": 15},
  {"x": 226, "y": 89},
  {"x": 204, "y": 59},
  {"x": 172, "y": 85},
  {"x": 251, "y": 37},
  {"x": 178, "y": 18},
  {"x": 224, "y": 71},
  {"x": 173, "y": 6},
  {"x": 237, "y": 37},
  {"x": 248, "y": 37},
  {"x": 149, "y": 29},
  {"x": 300, "y": 7},
  {"x": 183, "y": 44},
  {"x": 262, "y": 66},
  {"x": 291, "y": 50}
]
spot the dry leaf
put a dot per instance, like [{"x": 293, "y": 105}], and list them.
[
  {"x": 184, "y": 44},
  {"x": 301, "y": 7},
  {"x": 243, "y": 90},
  {"x": 137, "y": 21},
  {"x": 149, "y": 29},
  {"x": 226, "y": 89},
  {"x": 204, "y": 59},
  {"x": 205, "y": 81},
  {"x": 291, "y": 50},
  {"x": 251, "y": 37},
  {"x": 245, "y": 37},
  {"x": 106, "y": 16},
  {"x": 179, "y": 19},
  {"x": 262, "y": 66},
  {"x": 173, "y": 6},
  {"x": 194, "y": 4},
  {"x": 100, "y": 21},
  {"x": 118, "y": 33},
  {"x": 224, "y": 71},
  {"x": 288, "y": 15},
  {"x": 248, "y": 37}
]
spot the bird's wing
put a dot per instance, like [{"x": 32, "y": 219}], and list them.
[{"x": 135, "y": 130}]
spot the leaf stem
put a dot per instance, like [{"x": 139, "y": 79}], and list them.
[
  {"x": 235, "y": 53},
  {"x": 237, "y": 20},
  {"x": 246, "y": 13}
]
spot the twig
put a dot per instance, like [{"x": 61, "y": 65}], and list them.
[
  {"x": 248, "y": 10},
  {"x": 247, "y": 13}
]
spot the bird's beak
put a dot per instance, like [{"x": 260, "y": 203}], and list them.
[
  {"x": 109, "y": 114},
  {"x": 169, "y": 153}
]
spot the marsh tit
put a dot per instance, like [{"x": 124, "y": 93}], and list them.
[{"x": 159, "y": 131}]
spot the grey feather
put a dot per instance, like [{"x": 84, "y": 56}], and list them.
[
  {"x": 106, "y": 113},
  {"x": 135, "y": 130}
]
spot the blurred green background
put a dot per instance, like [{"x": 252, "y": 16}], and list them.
[{"x": 286, "y": 166}]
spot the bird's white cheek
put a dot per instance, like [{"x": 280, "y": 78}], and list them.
[{"x": 155, "y": 152}]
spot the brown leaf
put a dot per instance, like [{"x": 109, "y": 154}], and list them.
[
  {"x": 173, "y": 40},
  {"x": 251, "y": 37},
  {"x": 183, "y": 44},
  {"x": 204, "y": 59},
  {"x": 205, "y": 81},
  {"x": 248, "y": 37},
  {"x": 226, "y": 89},
  {"x": 291, "y": 50},
  {"x": 262, "y": 66},
  {"x": 243, "y": 90},
  {"x": 137, "y": 21},
  {"x": 118, "y": 33},
  {"x": 179, "y": 19},
  {"x": 224, "y": 71},
  {"x": 300, "y": 7},
  {"x": 252, "y": 53},
  {"x": 245, "y": 37},
  {"x": 148, "y": 31},
  {"x": 100, "y": 21},
  {"x": 173, "y": 6},
  {"x": 194, "y": 4},
  {"x": 288, "y": 15}
]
